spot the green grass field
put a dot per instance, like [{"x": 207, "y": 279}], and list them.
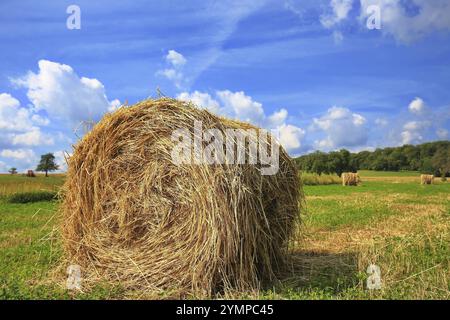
[
  {"x": 10, "y": 184},
  {"x": 390, "y": 220}
]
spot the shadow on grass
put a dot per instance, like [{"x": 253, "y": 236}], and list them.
[{"x": 321, "y": 271}]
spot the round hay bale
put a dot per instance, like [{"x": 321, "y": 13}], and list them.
[
  {"x": 350, "y": 179},
  {"x": 133, "y": 217},
  {"x": 426, "y": 179}
]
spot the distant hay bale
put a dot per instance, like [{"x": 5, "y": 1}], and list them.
[
  {"x": 344, "y": 179},
  {"x": 30, "y": 174},
  {"x": 131, "y": 216},
  {"x": 426, "y": 179},
  {"x": 350, "y": 179}
]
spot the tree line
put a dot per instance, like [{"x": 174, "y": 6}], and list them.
[{"x": 431, "y": 158}]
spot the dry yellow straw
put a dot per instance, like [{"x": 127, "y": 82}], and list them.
[{"x": 133, "y": 217}]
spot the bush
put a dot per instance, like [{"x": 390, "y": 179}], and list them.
[{"x": 26, "y": 197}]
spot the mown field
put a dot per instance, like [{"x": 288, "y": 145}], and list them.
[{"x": 390, "y": 220}]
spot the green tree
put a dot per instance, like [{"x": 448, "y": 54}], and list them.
[
  {"x": 380, "y": 163},
  {"x": 396, "y": 160},
  {"x": 47, "y": 164},
  {"x": 427, "y": 166},
  {"x": 362, "y": 160},
  {"x": 340, "y": 162},
  {"x": 441, "y": 161},
  {"x": 319, "y": 163},
  {"x": 13, "y": 170}
]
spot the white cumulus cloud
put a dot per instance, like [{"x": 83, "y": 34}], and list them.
[
  {"x": 277, "y": 118},
  {"x": 242, "y": 107},
  {"x": 20, "y": 154},
  {"x": 176, "y": 61},
  {"x": 20, "y": 126},
  {"x": 201, "y": 99},
  {"x": 58, "y": 90},
  {"x": 39, "y": 120},
  {"x": 175, "y": 58},
  {"x": 342, "y": 128},
  {"x": 238, "y": 105},
  {"x": 405, "y": 25},
  {"x": 15, "y": 118},
  {"x": 339, "y": 12},
  {"x": 417, "y": 106},
  {"x": 34, "y": 137},
  {"x": 290, "y": 137},
  {"x": 413, "y": 131},
  {"x": 175, "y": 76},
  {"x": 114, "y": 105}
]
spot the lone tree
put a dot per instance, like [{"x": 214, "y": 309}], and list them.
[
  {"x": 12, "y": 170},
  {"x": 47, "y": 164}
]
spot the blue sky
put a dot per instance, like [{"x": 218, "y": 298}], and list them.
[{"x": 310, "y": 69}]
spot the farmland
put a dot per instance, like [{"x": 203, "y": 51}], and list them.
[{"x": 390, "y": 220}]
